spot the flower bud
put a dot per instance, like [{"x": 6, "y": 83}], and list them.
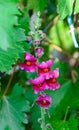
[
  {"x": 37, "y": 42},
  {"x": 39, "y": 52}
]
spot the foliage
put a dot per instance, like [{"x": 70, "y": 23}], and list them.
[
  {"x": 8, "y": 19},
  {"x": 65, "y": 7},
  {"x": 18, "y": 110},
  {"x": 36, "y": 5},
  {"x": 11, "y": 37},
  {"x": 13, "y": 108}
]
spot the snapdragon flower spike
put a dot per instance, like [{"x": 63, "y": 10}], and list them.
[
  {"x": 29, "y": 64},
  {"x": 44, "y": 67},
  {"x": 52, "y": 80},
  {"x": 39, "y": 84},
  {"x": 39, "y": 51},
  {"x": 44, "y": 100}
]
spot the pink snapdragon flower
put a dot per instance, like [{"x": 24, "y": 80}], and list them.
[
  {"x": 52, "y": 80},
  {"x": 44, "y": 100},
  {"x": 44, "y": 67},
  {"x": 39, "y": 84},
  {"x": 29, "y": 64}
]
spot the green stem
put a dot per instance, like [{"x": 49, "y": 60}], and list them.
[
  {"x": 66, "y": 113},
  {"x": 43, "y": 119},
  {"x": 9, "y": 83}
]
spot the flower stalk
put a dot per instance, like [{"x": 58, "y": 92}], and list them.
[{"x": 43, "y": 126}]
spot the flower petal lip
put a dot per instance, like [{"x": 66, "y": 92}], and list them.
[
  {"x": 37, "y": 80},
  {"x": 31, "y": 68},
  {"x": 46, "y": 64},
  {"x": 54, "y": 86},
  {"x": 44, "y": 72},
  {"x": 40, "y": 87},
  {"x": 28, "y": 56},
  {"x": 38, "y": 84},
  {"x": 54, "y": 73},
  {"x": 44, "y": 100},
  {"x": 51, "y": 81},
  {"x": 44, "y": 67}
]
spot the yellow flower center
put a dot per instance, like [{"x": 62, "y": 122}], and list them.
[
  {"x": 44, "y": 101},
  {"x": 28, "y": 63},
  {"x": 46, "y": 70},
  {"x": 53, "y": 80}
]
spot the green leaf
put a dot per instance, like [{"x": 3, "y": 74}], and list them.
[
  {"x": 19, "y": 35},
  {"x": 65, "y": 8},
  {"x": 73, "y": 123},
  {"x": 59, "y": 95},
  {"x": 11, "y": 37},
  {"x": 76, "y": 7},
  {"x": 36, "y": 5},
  {"x": 24, "y": 22},
  {"x": 10, "y": 57},
  {"x": 12, "y": 110},
  {"x": 62, "y": 126},
  {"x": 56, "y": 35},
  {"x": 8, "y": 19},
  {"x": 70, "y": 103}
]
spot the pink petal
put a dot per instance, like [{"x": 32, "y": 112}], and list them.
[
  {"x": 22, "y": 66},
  {"x": 46, "y": 64},
  {"x": 54, "y": 86},
  {"x": 28, "y": 56},
  {"x": 37, "y": 80},
  {"x": 44, "y": 97},
  {"x": 54, "y": 73}
]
